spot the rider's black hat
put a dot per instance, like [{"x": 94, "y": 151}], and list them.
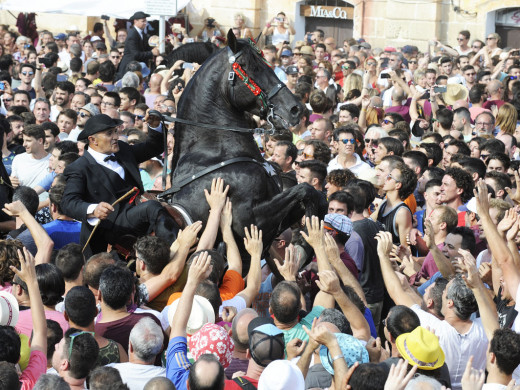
[
  {"x": 97, "y": 124},
  {"x": 139, "y": 15}
]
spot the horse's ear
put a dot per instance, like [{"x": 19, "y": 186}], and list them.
[
  {"x": 232, "y": 41},
  {"x": 258, "y": 37}
]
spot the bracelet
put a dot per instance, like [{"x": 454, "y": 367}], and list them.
[
  {"x": 268, "y": 25},
  {"x": 337, "y": 357},
  {"x": 363, "y": 109}
]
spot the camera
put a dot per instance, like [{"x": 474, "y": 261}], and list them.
[
  {"x": 211, "y": 22},
  {"x": 105, "y": 17},
  {"x": 46, "y": 62},
  {"x": 440, "y": 89}
]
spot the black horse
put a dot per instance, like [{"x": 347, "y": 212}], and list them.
[
  {"x": 197, "y": 52},
  {"x": 217, "y": 102}
]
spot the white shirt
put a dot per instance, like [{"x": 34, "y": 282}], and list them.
[
  {"x": 457, "y": 347},
  {"x": 493, "y": 386},
  {"x": 356, "y": 169},
  {"x": 135, "y": 376},
  {"x": 30, "y": 171}
]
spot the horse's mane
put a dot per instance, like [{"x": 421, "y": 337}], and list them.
[{"x": 192, "y": 52}]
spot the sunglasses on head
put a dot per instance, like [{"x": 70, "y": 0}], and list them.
[{"x": 308, "y": 156}]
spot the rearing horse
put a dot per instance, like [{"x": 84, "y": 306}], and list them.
[{"x": 214, "y": 141}]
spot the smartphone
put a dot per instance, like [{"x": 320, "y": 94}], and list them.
[
  {"x": 425, "y": 96},
  {"x": 386, "y": 76},
  {"x": 2, "y": 86},
  {"x": 440, "y": 89},
  {"x": 279, "y": 20},
  {"x": 384, "y": 64},
  {"x": 105, "y": 17},
  {"x": 187, "y": 65},
  {"x": 309, "y": 38}
]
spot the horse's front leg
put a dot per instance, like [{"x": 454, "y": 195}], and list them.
[{"x": 279, "y": 213}]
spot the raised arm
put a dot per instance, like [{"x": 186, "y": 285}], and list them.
[
  {"x": 43, "y": 242},
  {"x": 233, "y": 254},
  {"x": 393, "y": 286},
  {"x": 40, "y": 93},
  {"x": 443, "y": 264},
  {"x": 329, "y": 283},
  {"x": 254, "y": 245},
  {"x": 216, "y": 200},
  {"x": 497, "y": 245},
  {"x": 341, "y": 269},
  {"x": 315, "y": 239},
  {"x": 27, "y": 273},
  {"x": 199, "y": 271},
  {"x": 169, "y": 275},
  {"x": 486, "y": 306}
]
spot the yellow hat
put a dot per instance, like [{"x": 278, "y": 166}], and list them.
[
  {"x": 421, "y": 348},
  {"x": 453, "y": 93}
]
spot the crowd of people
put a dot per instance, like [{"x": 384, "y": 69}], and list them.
[{"x": 409, "y": 280}]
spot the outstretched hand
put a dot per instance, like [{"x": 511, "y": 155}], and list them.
[
  {"x": 200, "y": 268},
  {"x": 217, "y": 197},
  {"x": 399, "y": 376},
  {"x": 253, "y": 241},
  {"x": 384, "y": 244},
  {"x": 27, "y": 271},
  {"x": 289, "y": 268},
  {"x": 315, "y": 231},
  {"x": 472, "y": 379},
  {"x": 188, "y": 236},
  {"x": 482, "y": 198},
  {"x": 469, "y": 265}
]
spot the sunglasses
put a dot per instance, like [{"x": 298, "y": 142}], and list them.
[
  {"x": 73, "y": 336},
  {"x": 371, "y": 64},
  {"x": 460, "y": 39},
  {"x": 476, "y": 47},
  {"x": 7, "y": 100},
  {"x": 513, "y": 77},
  {"x": 296, "y": 54},
  {"x": 390, "y": 177},
  {"x": 83, "y": 115},
  {"x": 27, "y": 73},
  {"x": 309, "y": 156},
  {"x": 470, "y": 74},
  {"x": 387, "y": 121},
  {"x": 140, "y": 117},
  {"x": 346, "y": 67},
  {"x": 412, "y": 62},
  {"x": 484, "y": 156},
  {"x": 347, "y": 140},
  {"x": 374, "y": 141},
  {"x": 489, "y": 38}
]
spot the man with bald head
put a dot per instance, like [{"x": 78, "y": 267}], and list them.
[
  {"x": 159, "y": 383},
  {"x": 495, "y": 91},
  {"x": 240, "y": 338},
  {"x": 154, "y": 89}
]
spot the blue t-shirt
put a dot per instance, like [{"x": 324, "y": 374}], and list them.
[
  {"x": 177, "y": 363},
  {"x": 370, "y": 320},
  {"x": 8, "y": 162},
  {"x": 61, "y": 232},
  {"x": 46, "y": 182}
]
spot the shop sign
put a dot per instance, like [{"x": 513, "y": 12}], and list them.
[{"x": 328, "y": 12}]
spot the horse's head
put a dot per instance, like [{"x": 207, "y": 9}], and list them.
[{"x": 254, "y": 87}]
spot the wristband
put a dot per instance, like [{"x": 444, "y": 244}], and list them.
[{"x": 337, "y": 357}]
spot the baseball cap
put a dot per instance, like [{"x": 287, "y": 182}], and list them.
[
  {"x": 60, "y": 36},
  {"x": 390, "y": 49},
  {"x": 91, "y": 108},
  {"x": 352, "y": 349},
  {"x": 286, "y": 53},
  {"x": 407, "y": 49},
  {"x": 293, "y": 69},
  {"x": 339, "y": 222},
  {"x": 9, "y": 309},
  {"x": 266, "y": 341}
]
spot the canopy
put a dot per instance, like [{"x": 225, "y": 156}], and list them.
[{"x": 115, "y": 9}]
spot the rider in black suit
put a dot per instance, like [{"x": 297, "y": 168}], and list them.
[
  {"x": 136, "y": 44},
  {"x": 107, "y": 170}
]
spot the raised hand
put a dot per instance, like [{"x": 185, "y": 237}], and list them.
[
  {"x": 27, "y": 271},
  {"x": 217, "y": 197},
  {"x": 472, "y": 379},
  {"x": 295, "y": 348},
  {"x": 315, "y": 228},
  {"x": 253, "y": 241},
  {"x": 399, "y": 376},
  {"x": 510, "y": 218},
  {"x": 226, "y": 217},
  {"x": 200, "y": 268},
  {"x": 468, "y": 264},
  {"x": 328, "y": 282},
  {"x": 515, "y": 197},
  {"x": 482, "y": 198},
  {"x": 429, "y": 237},
  {"x": 289, "y": 268},
  {"x": 14, "y": 209},
  {"x": 384, "y": 244},
  {"x": 188, "y": 236}
]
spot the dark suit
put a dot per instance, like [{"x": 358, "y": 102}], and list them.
[
  {"x": 136, "y": 49},
  {"x": 91, "y": 183}
]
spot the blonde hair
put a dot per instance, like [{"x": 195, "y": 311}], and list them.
[
  {"x": 418, "y": 75},
  {"x": 353, "y": 81},
  {"x": 506, "y": 118}
]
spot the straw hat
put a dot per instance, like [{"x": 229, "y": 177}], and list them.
[
  {"x": 9, "y": 309},
  {"x": 201, "y": 313},
  {"x": 307, "y": 50},
  {"x": 421, "y": 348},
  {"x": 454, "y": 92}
]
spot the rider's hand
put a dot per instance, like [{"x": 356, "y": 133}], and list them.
[{"x": 102, "y": 210}]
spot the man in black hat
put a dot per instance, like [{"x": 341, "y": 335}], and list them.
[
  {"x": 136, "y": 44},
  {"x": 107, "y": 170}
]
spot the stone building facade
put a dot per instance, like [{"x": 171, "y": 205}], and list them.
[{"x": 380, "y": 22}]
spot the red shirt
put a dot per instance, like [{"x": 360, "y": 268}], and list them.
[{"x": 232, "y": 385}]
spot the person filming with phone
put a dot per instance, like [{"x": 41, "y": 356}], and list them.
[
  {"x": 279, "y": 29},
  {"x": 209, "y": 30}
]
